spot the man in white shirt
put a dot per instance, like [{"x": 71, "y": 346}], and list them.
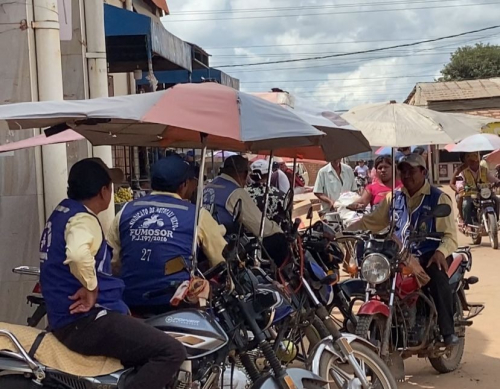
[
  {"x": 279, "y": 179},
  {"x": 334, "y": 179}
]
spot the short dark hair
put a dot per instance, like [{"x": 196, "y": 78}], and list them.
[
  {"x": 383, "y": 158},
  {"x": 86, "y": 180}
]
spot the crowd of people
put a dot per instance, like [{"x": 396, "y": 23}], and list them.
[{"x": 150, "y": 241}]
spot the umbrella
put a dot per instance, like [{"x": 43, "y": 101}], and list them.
[
  {"x": 402, "y": 125},
  {"x": 341, "y": 140},
  {"x": 174, "y": 117},
  {"x": 493, "y": 158},
  {"x": 478, "y": 142},
  {"x": 388, "y": 150},
  {"x": 42, "y": 140}
]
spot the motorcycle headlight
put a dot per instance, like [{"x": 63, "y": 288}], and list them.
[
  {"x": 375, "y": 268},
  {"x": 485, "y": 193}
]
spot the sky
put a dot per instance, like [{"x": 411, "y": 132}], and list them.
[{"x": 235, "y": 32}]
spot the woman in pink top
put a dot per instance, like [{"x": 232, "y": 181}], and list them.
[{"x": 377, "y": 191}]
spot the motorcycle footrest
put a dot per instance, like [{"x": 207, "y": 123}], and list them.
[
  {"x": 463, "y": 323},
  {"x": 474, "y": 310}
]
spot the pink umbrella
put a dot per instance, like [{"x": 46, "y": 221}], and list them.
[
  {"x": 493, "y": 158},
  {"x": 42, "y": 140}
]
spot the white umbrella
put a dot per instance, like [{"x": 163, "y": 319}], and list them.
[
  {"x": 477, "y": 142},
  {"x": 402, "y": 125},
  {"x": 342, "y": 138}
]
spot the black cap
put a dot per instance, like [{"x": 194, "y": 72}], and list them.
[
  {"x": 236, "y": 163},
  {"x": 171, "y": 172},
  {"x": 87, "y": 177}
]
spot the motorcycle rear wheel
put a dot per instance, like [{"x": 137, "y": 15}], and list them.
[
  {"x": 493, "y": 231},
  {"x": 450, "y": 361}
]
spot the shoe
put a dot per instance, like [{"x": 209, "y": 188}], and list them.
[{"x": 451, "y": 340}]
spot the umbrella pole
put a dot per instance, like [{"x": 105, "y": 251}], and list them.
[
  {"x": 294, "y": 175},
  {"x": 213, "y": 165},
  {"x": 266, "y": 197},
  {"x": 199, "y": 199},
  {"x": 393, "y": 211}
]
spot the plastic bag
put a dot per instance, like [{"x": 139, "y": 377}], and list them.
[{"x": 348, "y": 217}]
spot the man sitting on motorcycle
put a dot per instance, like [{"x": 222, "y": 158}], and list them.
[
  {"x": 84, "y": 302},
  {"x": 416, "y": 197},
  {"x": 222, "y": 194},
  {"x": 152, "y": 237},
  {"x": 473, "y": 175}
]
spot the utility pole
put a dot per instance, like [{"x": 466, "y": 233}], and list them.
[
  {"x": 50, "y": 87},
  {"x": 98, "y": 79}
]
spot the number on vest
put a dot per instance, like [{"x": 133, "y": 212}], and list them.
[{"x": 146, "y": 253}]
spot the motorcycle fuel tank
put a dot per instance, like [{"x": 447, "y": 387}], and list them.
[{"x": 197, "y": 330}]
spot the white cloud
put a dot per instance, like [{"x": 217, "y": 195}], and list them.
[{"x": 339, "y": 82}]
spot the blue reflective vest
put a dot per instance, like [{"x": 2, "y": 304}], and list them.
[
  {"x": 56, "y": 280},
  {"x": 405, "y": 220},
  {"x": 216, "y": 194},
  {"x": 154, "y": 230}
]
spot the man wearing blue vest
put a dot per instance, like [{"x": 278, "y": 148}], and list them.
[
  {"x": 418, "y": 196},
  {"x": 221, "y": 195},
  {"x": 152, "y": 237},
  {"x": 84, "y": 302}
]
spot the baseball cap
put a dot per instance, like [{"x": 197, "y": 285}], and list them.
[
  {"x": 413, "y": 159},
  {"x": 236, "y": 163},
  {"x": 171, "y": 171},
  {"x": 88, "y": 176},
  {"x": 260, "y": 166}
]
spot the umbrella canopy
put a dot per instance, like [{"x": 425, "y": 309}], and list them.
[
  {"x": 477, "y": 142},
  {"x": 388, "y": 150},
  {"x": 402, "y": 125},
  {"x": 493, "y": 158},
  {"x": 42, "y": 140},
  {"x": 341, "y": 140},
  {"x": 233, "y": 120}
]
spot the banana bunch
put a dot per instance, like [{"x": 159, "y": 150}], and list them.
[{"x": 123, "y": 195}]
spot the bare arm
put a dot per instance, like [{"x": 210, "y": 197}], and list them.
[
  {"x": 362, "y": 202},
  {"x": 456, "y": 173}
]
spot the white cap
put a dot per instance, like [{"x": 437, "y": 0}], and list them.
[{"x": 261, "y": 165}]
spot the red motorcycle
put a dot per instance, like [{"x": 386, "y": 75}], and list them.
[{"x": 399, "y": 316}]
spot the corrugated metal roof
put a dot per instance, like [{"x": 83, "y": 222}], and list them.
[{"x": 455, "y": 90}]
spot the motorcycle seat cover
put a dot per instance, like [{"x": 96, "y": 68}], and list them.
[
  {"x": 457, "y": 260},
  {"x": 54, "y": 354}
]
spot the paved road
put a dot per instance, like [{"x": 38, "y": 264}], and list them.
[{"x": 481, "y": 363}]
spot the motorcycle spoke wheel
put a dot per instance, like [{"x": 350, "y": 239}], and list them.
[{"x": 493, "y": 231}]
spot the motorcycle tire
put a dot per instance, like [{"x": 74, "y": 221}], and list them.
[
  {"x": 477, "y": 240},
  {"x": 371, "y": 328},
  {"x": 18, "y": 381},
  {"x": 493, "y": 231},
  {"x": 450, "y": 361}
]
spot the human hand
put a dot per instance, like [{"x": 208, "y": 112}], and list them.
[
  {"x": 84, "y": 301},
  {"x": 439, "y": 259}
]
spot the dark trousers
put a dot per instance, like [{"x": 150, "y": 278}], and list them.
[
  {"x": 277, "y": 247},
  {"x": 134, "y": 343},
  {"x": 440, "y": 290},
  {"x": 468, "y": 207}
]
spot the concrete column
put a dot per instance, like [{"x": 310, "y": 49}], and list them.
[{"x": 50, "y": 87}]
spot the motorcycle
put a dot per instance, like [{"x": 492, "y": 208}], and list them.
[
  {"x": 484, "y": 217},
  {"x": 211, "y": 337},
  {"x": 398, "y": 316}
]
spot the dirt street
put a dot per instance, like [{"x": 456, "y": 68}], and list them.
[{"x": 481, "y": 363}]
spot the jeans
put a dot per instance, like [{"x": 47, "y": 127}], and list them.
[{"x": 157, "y": 355}]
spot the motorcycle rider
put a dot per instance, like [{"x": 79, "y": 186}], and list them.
[
  {"x": 411, "y": 201},
  {"x": 223, "y": 193},
  {"x": 152, "y": 237},
  {"x": 473, "y": 175},
  {"x": 84, "y": 301}
]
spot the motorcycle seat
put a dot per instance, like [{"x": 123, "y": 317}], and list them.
[
  {"x": 455, "y": 263},
  {"x": 54, "y": 354}
]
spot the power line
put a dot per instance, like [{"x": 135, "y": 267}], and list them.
[
  {"x": 338, "y": 79},
  {"x": 332, "y": 13},
  {"x": 365, "y": 51}
]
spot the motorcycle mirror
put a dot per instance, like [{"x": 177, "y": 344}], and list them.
[
  {"x": 288, "y": 203},
  {"x": 310, "y": 213},
  {"x": 441, "y": 210}
]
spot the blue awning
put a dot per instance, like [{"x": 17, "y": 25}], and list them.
[
  {"x": 132, "y": 40},
  {"x": 173, "y": 77}
]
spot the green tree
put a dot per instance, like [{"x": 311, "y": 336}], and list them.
[{"x": 472, "y": 63}]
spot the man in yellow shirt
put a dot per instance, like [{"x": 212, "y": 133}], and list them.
[
  {"x": 418, "y": 196},
  {"x": 152, "y": 237},
  {"x": 84, "y": 301}
]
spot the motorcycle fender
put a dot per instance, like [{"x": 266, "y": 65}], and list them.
[
  {"x": 327, "y": 345},
  {"x": 297, "y": 375},
  {"x": 353, "y": 287},
  {"x": 374, "y": 307}
]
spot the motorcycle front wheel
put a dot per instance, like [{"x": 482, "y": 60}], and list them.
[
  {"x": 493, "y": 230},
  {"x": 375, "y": 370}
]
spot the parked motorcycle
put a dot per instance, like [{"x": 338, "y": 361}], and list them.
[
  {"x": 484, "y": 216},
  {"x": 399, "y": 317},
  {"x": 211, "y": 337}
]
